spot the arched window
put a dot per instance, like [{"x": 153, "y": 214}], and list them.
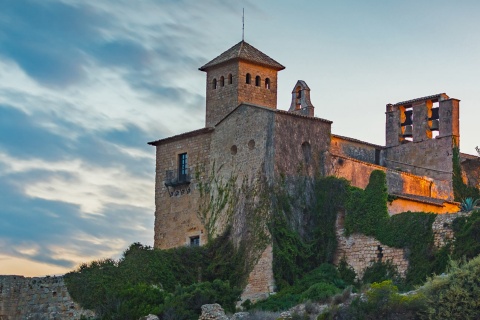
[
  {"x": 222, "y": 81},
  {"x": 214, "y": 83},
  {"x": 257, "y": 81},
  {"x": 248, "y": 78},
  {"x": 230, "y": 79},
  {"x": 267, "y": 83},
  {"x": 307, "y": 151}
]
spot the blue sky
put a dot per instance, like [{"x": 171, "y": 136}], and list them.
[{"x": 84, "y": 85}]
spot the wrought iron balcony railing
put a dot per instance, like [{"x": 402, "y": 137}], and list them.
[{"x": 175, "y": 178}]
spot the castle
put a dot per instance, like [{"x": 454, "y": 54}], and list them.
[{"x": 245, "y": 133}]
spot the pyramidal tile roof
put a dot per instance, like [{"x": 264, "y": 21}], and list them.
[{"x": 246, "y": 52}]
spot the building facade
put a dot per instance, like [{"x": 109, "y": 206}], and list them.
[{"x": 246, "y": 136}]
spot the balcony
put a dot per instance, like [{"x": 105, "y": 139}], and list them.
[{"x": 175, "y": 178}]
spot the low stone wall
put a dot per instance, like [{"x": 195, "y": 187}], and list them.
[
  {"x": 360, "y": 251},
  {"x": 442, "y": 228},
  {"x": 37, "y": 298}
]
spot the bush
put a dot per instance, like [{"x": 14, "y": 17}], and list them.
[
  {"x": 456, "y": 295},
  {"x": 186, "y": 302},
  {"x": 467, "y": 236},
  {"x": 319, "y": 292},
  {"x": 278, "y": 302},
  {"x": 380, "y": 271},
  {"x": 346, "y": 272},
  {"x": 382, "y": 301}
]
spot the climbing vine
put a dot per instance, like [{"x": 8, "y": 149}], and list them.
[
  {"x": 461, "y": 191},
  {"x": 217, "y": 200},
  {"x": 303, "y": 227},
  {"x": 367, "y": 213}
]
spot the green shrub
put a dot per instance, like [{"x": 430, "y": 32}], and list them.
[
  {"x": 455, "y": 295},
  {"x": 346, "y": 272},
  {"x": 319, "y": 292},
  {"x": 381, "y": 301},
  {"x": 278, "y": 302},
  {"x": 460, "y": 189},
  {"x": 185, "y": 303},
  {"x": 467, "y": 236},
  {"x": 380, "y": 271}
]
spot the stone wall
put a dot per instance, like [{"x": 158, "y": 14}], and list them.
[
  {"x": 471, "y": 168},
  {"x": 300, "y": 144},
  {"x": 360, "y": 251},
  {"x": 260, "y": 281},
  {"x": 442, "y": 228},
  {"x": 176, "y": 207},
  {"x": 223, "y": 99},
  {"x": 356, "y": 149},
  {"x": 431, "y": 158},
  {"x": 37, "y": 298}
]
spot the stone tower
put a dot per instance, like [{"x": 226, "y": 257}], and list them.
[{"x": 242, "y": 74}]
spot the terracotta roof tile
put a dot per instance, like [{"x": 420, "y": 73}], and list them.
[{"x": 246, "y": 52}]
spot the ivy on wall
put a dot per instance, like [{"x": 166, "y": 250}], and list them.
[
  {"x": 461, "y": 191},
  {"x": 301, "y": 247},
  {"x": 367, "y": 213}
]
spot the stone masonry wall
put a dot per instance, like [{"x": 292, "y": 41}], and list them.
[
  {"x": 242, "y": 147},
  {"x": 358, "y": 150},
  {"x": 260, "y": 278},
  {"x": 176, "y": 207},
  {"x": 223, "y": 99},
  {"x": 300, "y": 144},
  {"x": 442, "y": 228},
  {"x": 431, "y": 158},
  {"x": 360, "y": 251},
  {"x": 37, "y": 298}
]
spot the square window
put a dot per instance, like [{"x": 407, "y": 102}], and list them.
[{"x": 195, "y": 241}]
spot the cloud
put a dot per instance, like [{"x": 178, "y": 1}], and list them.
[{"x": 84, "y": 85}]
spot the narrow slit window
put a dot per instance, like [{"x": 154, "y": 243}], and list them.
[
  {"x": 214, "y": 83},
  {"x": 267, "y": 83},
  {"x": 222, "y": 81},
  {"x": 248, "y": 79},
  {"x": 257, "y": 81},
  {"x": 230, "y": 79}
]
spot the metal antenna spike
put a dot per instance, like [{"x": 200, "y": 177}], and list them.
[{"x": 243, "y": 25}]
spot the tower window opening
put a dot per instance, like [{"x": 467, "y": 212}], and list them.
[
  {"x": 248, "y": 79},
  {"x": 222, "y": 81},
  {"x": 407, "y": 124},
  {"x": 257, "y": 81},
  {"x": 267, "y": 83},
  {"x": 230, "y": 79},
  {"x": 298, "y": 104},
  {"x": 214, "y": 83}
]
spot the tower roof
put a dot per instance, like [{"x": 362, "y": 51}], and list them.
[{"x": 246, "y": 52}]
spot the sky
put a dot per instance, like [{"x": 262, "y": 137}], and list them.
[{"x": 85, "y": 84}]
